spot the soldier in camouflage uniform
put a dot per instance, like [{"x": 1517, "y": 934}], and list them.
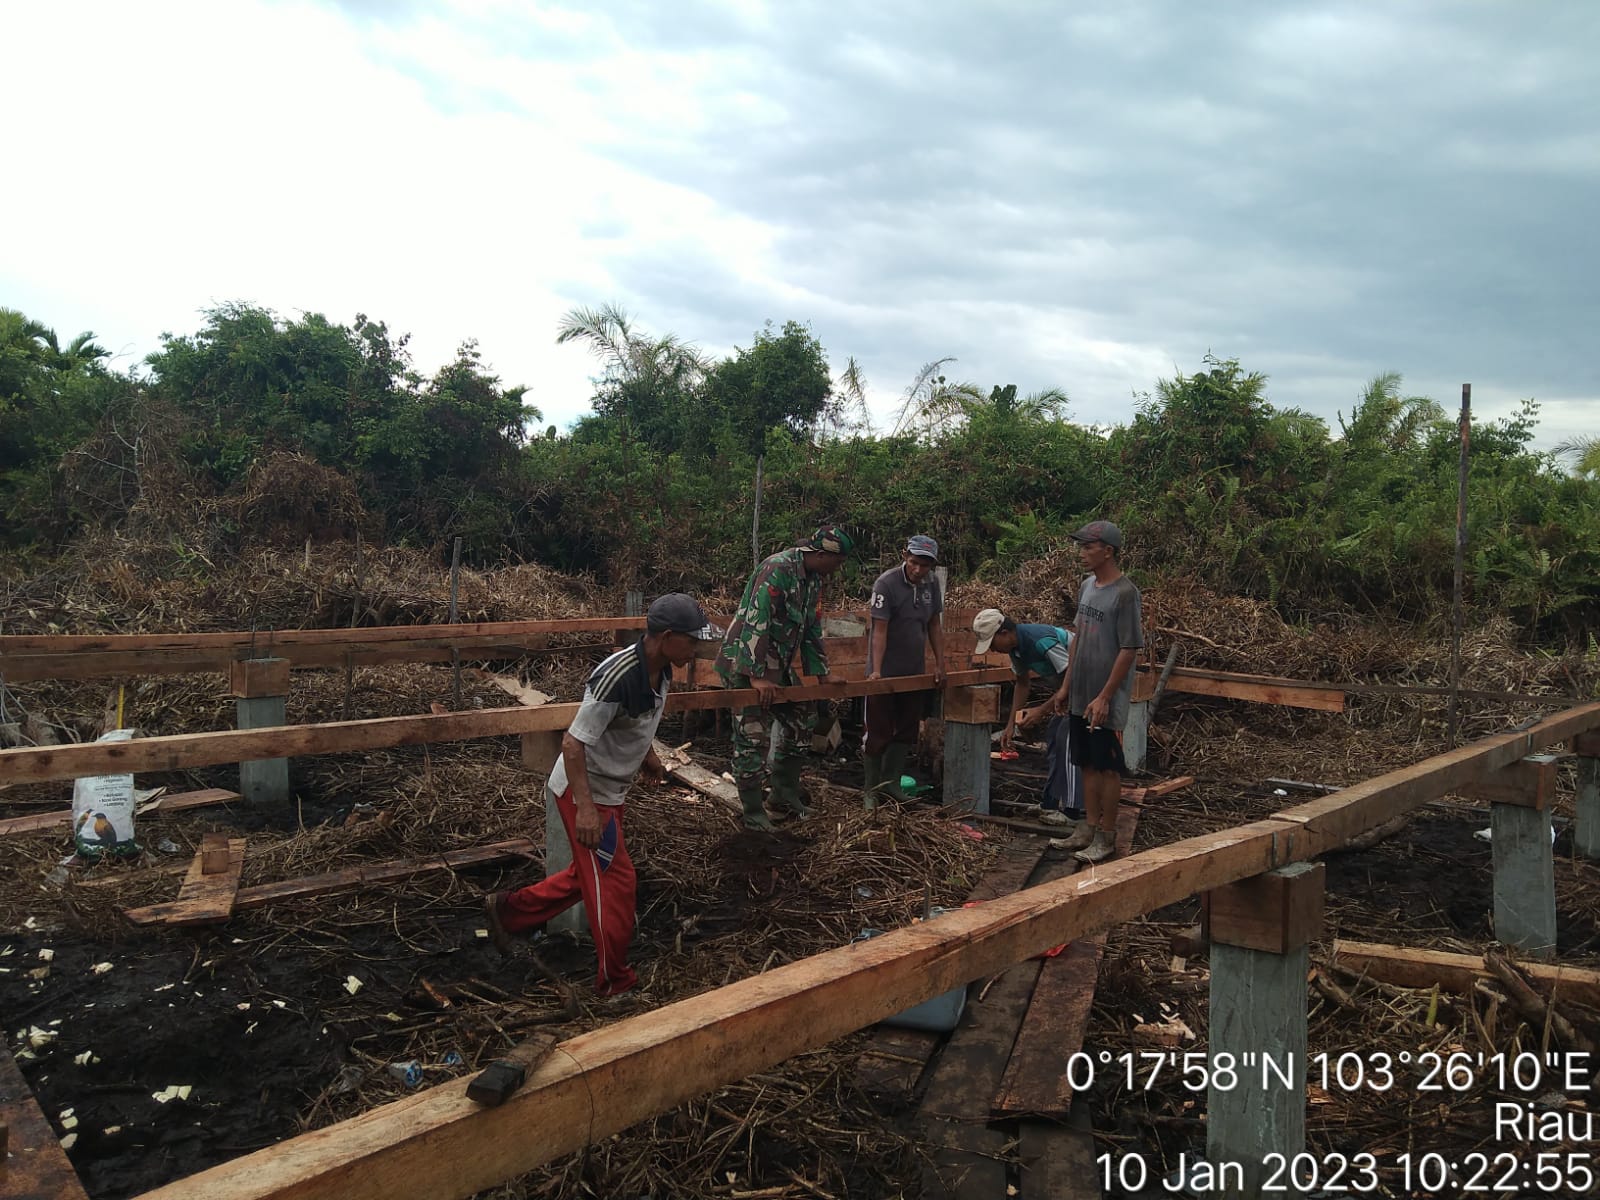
[{"x": 779, "y": 613}]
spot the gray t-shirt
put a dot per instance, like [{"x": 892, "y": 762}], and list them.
[
  {"x": 902, "y": 610},
  {"x": 1108, "y": 623},
  {"x": 616, "y": 723}
]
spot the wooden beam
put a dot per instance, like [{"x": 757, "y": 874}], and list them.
[
  {"x": 1529, "y": 783},
  {"x": 1405, "y": 966},
  {"x": 170, "y": 803},
  {"x": 1274, "y": 913},
  {"x": 33, "y": 1166},
  {"x": 1261, "y": 689},
  {"x": 350, "y": 878},
  {"x": 1334, "y": 819},
  {"x": 180, "y": 752}
]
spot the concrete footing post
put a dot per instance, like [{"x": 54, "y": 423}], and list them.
[
  {"x": 966, "y": 765},
  {"x": 1586, "y": 834},
  {"x": 970, "y": 714},
  {"x": 1524, "y": 879},
  {"x": 1260, "y": 930},
  {"x": 1520, "y": 797},
  {"x": 260, "y": 687}
]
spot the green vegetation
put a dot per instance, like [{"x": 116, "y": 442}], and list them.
[{"x": 258, "y": 427}]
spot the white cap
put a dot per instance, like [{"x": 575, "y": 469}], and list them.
[{"x": 986, "y": 624}]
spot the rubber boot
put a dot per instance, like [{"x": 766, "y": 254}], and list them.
[
  {"x": 786, "y": 788},
  {"x": 755, "y": 816},
  {"x": 871, "y": 779},
  {"x": 894, "y": 766}
]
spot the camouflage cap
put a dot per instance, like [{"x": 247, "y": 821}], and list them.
[{"x": 830, "y": 539}]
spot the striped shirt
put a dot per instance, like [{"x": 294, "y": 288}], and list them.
[{"x": 616, "y": 723}]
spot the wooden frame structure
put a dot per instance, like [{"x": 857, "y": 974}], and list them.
[{"x": 436, "y": 1143}]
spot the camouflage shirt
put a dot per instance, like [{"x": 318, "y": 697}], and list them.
[{"x": 780, "y": 611}]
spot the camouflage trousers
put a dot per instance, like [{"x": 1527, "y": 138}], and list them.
[{"x": 752, "y": 732}]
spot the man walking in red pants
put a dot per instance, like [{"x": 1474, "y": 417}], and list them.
[{"x": 608, "y": 742}]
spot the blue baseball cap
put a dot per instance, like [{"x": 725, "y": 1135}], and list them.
[{"x": 923, "y": 546}]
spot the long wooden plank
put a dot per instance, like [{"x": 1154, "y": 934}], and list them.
[
  {"x": 170, "y": 803},
  {"x": 1288, "y": 694},
  {"x": 266, "y": 644},
  {"x": 180, "y": 752},
  {"x": 355, "y": 877},
  {"x": 437, "y": 1144},
  {"x": 1331, "y": 820},
  {"x": 204, "y": 898},
  {"x": 36, "y": 1167},
  {"x": 1036, "y": 1080},
  {"x": 350, "y": 878},
  {"x": 1058, "y": 1162},
  {"x": 1405, "y": 966},
  {"x": 968, "y": 1160}
]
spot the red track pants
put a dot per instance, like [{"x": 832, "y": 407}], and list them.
[{"x": 603, "y": 878}]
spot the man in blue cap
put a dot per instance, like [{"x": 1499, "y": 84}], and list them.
[{"x": 906, "y": 622}]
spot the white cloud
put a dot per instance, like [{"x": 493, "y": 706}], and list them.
[{"x": 1089, "y": 199}]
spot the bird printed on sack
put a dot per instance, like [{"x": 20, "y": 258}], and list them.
[{"x": 102, "y": 831}]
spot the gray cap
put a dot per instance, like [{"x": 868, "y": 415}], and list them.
[
  {"x": 1100, "y": 531},
  {"x": 677, "y": 613},
  {"x": 923, "y": 546}
]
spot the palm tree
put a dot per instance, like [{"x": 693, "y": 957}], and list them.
[
  {"x": 1584, "y": 453},
  {"x": 634, "y": 367}
]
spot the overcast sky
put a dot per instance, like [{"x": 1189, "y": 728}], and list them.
[{"x": 1089, "y": 196}]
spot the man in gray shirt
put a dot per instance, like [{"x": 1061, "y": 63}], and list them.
[
  {"x": 1106, "y": 640},
  {"x": 906, "y": 620}
]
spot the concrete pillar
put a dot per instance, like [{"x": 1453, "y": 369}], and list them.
[
  {"x": 1586, "y": 835},
  {"x": 1136, "y": 734},
  {"x": 1524, "y": 861},
  {"x": 1260, "y": 929},
  {"x": 970, "y": 714},
  {"x": 260, "y": 687}
]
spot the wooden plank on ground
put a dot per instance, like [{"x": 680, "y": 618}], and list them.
[
  {"x": 36, "y": 1167},
  {"x": 1058, "y": 1161},
  {"x": 169, "y": 803},
  {"x": 708, "y": 783},
  {"x": 889, "y": 1068},
  {"x": 387, "y": 872},
  {"x": 892, "y": 1061},
  {"x": 350, "y": 878},
  {"x": 175, "y": 802},
  {"x": 1035, "y": 1080},
  {"x": 178, "y": 752},
  {"x": 205, "y": 897},
  {"x": 1406, "y": 966},
  {"x": 967, "y": 1159},
  {"x": 968, "y": 1162}
]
